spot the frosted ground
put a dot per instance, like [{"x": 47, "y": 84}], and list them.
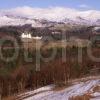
[{"x": 78, "y": 88}]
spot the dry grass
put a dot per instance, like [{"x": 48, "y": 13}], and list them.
[
  {"x": 96, "y": 89},
  {"x": 61, "y": 86},
  {"x": 83, "y": 97},
  {"x": 9, "y": 98}
]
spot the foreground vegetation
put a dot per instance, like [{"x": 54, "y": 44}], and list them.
[{"x": 19, "y": 76}]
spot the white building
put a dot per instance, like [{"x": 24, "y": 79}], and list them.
[
  {"x": 29, "y": 36},
  {"x": 26, "y": 35},
  {"x": 37, "y": 38}
]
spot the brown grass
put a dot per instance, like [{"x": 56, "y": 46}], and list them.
[
  {"x": 83, "y": 97},
  {"x": 61, "y": 86},
  {"x": 9, "y": 98},
  {"x": 96, "y": 89}
]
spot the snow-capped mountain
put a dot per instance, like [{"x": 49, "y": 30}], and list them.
[
  {"x": 15, "y": 21},
  {"x": 39, "y": 17}
]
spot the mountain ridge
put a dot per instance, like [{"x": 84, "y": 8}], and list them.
[{"x": 35, "y": 16}]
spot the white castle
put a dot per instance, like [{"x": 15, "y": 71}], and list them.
[{"x": 29, "y": 36}]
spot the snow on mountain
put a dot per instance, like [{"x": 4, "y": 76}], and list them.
[
  {"x": 26, "y": 15},
  {"x": 6, "y": 21}
]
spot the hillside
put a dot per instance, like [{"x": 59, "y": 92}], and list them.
[{"x": 81, "y": 89}]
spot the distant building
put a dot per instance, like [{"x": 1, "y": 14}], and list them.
[
  {"x": 24, "y": 35},
  {"x": 96, "y": 30},
  {"x": 29, "y": 41},
  {"x": 96, "y": 40},
  {"x": 37, "y": 38}
]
